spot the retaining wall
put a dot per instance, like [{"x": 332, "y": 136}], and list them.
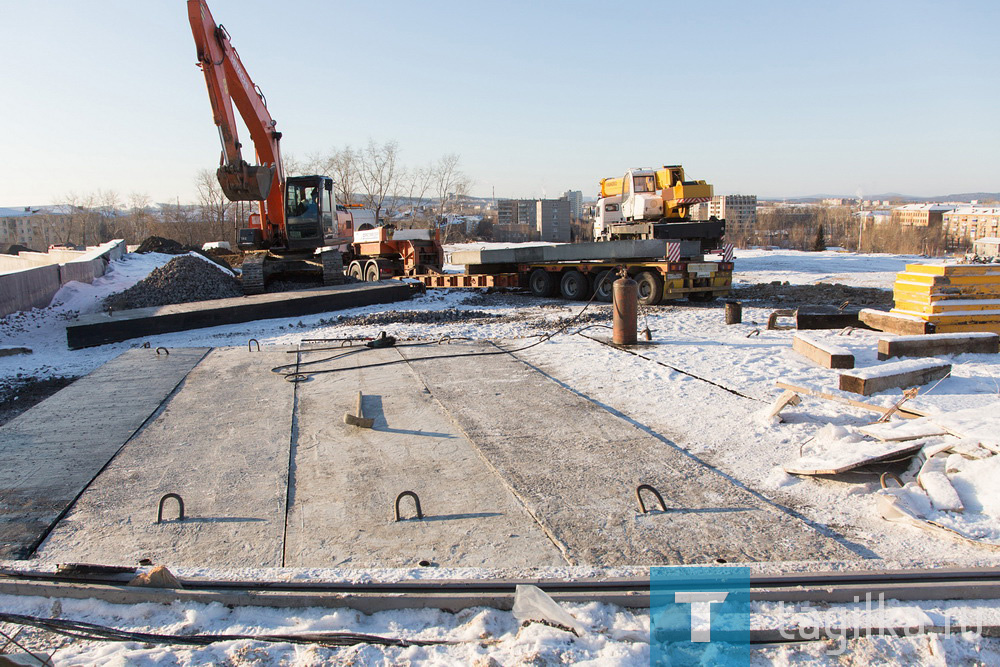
[{"x": 34, "y": 286}]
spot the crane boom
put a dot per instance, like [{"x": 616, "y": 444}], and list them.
[{"x": 228, "y": 83}]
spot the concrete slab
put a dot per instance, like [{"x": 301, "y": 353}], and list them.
[
  {"x": 221, "y": 442},
  {"x": 102, "y": 328},
  {"x": 346, "y": 478},
  {"x": 576, "y": 466},
  {"x": 603, "y": 250},
  {"x": 49, "y": 454}
]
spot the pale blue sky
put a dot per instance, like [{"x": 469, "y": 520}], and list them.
[{"x": 766, "y": 98}]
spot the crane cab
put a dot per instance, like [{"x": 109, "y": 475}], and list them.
[{"x": 640, "y": 199}]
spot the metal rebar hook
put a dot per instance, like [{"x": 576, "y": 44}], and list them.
[
  {"x": 165, "y": 351},
  {"x": 416, "y": 502},
  {"x": 642, "y": 505},
  {"x": 253, "y": 340},
  {"x": 180, "y": 507}
]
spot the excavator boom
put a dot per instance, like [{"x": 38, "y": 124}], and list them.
[{"x": 228, "y": 83}]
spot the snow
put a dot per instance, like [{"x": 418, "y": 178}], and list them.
[
  {"x": 895, "y": 368},
  {"x": 700, "y": 383}
]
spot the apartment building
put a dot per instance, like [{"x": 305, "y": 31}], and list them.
[
  {"x": 969, "y": 223},
  {"x": 575, "y": 198},
  {"x": 919, "y": 215},
  {"x": 739, "y": 212}
]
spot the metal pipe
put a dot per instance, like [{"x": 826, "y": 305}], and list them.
[{"x": 625, "y": 320}]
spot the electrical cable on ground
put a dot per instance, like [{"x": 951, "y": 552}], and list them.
[
  {"x": 94, "y": 632},
  {"x": 544, "y": 338}
]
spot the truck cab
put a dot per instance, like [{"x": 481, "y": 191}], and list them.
[{"x": 608, "y": 212}]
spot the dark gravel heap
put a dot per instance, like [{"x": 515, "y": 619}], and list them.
[
  {"x": 412, "y": 317},
  {"x": 826, "y": 294},
  {"x": 160, "y": 244},
  {"x": 16, "y": 248},
  {"x": 181, "y": 280}
]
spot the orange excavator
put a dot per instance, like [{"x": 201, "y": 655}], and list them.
[{"x": 293, "y": 213}]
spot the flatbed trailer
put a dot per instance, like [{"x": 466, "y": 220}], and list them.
[{"x": 659, "y": 280}]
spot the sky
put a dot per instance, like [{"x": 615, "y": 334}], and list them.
[{"x": 777, "y": 99}]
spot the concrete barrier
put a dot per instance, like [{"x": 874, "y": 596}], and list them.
[{"x": 32, "y": 279}]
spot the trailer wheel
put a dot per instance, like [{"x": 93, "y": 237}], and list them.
[
  {"x": 574, "y": 286},
  {"x": 355, "y": 271},
  {"x": 542, "y": 283},
  {"x": 371, "y": 272},
  {"x": 603, "y": 285},
  {"x": 650, "y": 288}
]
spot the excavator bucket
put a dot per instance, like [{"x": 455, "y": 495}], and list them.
[{"x": 246, "y": 182}]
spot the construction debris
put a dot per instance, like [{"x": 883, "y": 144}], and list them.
[
  {"x": 845, "y": 398},
  {"x": 183, "y": 279}
]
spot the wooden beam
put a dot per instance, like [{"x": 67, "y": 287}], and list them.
[
  {"x": 893, "y": 323},
  {"x": 824, "y": 354},
  {"x": 935, "y": 344},
  {"x": 898, "y": 374}
]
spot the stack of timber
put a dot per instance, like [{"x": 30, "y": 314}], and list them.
[{"x": 954, "y": 298}]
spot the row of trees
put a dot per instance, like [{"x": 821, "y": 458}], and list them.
[
  {"x": 372, "y": 176},
  {"x": 808, "y": 228}
]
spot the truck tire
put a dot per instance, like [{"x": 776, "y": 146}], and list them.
[
  {"x": 574, "y": 286},
  {"x": 355, "y": 271},
  {"x": 542, "y": 283},
  {"x": 371, "y": 272},
  {"x": 650, "y": 288},
  {"x": 603, "y": 285}
]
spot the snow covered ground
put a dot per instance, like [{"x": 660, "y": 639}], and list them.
[{"x": 703, "y": 385}]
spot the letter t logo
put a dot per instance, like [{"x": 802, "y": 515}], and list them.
[{"x": 701, "y": 612}]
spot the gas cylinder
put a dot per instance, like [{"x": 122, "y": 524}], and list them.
[{"x": 625, "y": 306}]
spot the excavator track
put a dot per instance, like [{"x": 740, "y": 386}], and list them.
[
  {"x": 253, "y": 273},
  {"x": 333, "y": 268}
]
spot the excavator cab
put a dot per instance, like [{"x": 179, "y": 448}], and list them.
[{"x": 310, "y": 211}]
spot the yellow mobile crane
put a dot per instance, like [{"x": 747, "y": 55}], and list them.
[{"x": 649, "y": 203}]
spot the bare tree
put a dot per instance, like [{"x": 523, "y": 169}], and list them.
[
  {"x": 138, "y": 218},
  {"x": 214, "y": 207},
  {"x": 450, "y": 184},
  {"x": 378, "y": 175}
]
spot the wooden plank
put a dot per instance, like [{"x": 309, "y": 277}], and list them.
[
  {"x": 895, "y": 323},
  {"x": 824, "y": 354},
  {"x": 978, "y": 270},
  {"x": 935, "y": 344},
  {"x": 836, "y": 396},
  {"x": 837, "y": 462},
  {"x": 904, "y": 430},
  {"x": 787, "y": 398},
  {"x": 898, "y": 374}
]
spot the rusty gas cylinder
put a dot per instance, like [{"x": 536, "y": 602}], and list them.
[{"x": 626, "y": 310}]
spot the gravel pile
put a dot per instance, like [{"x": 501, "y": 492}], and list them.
[
  {"x": 181, "y": 280},
  {"x": 785, "y": 295},
  {"x": 413, "y": 317},
  {"x": 160, "y": 244}
]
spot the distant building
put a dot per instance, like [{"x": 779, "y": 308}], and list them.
[
  {"x": 836, "y": 201},
  {"x": 919, "y": 215},
  {"x": 969, "y": 223},
  {"x": 552, "y": 219},
  {"x": 575, "y": 198},
  {"x": 739, "y": 211},
  {"x": 987, "y": 248},
  {"x": 36, "y": 227},
  {"x": 516, "y": 212}
]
